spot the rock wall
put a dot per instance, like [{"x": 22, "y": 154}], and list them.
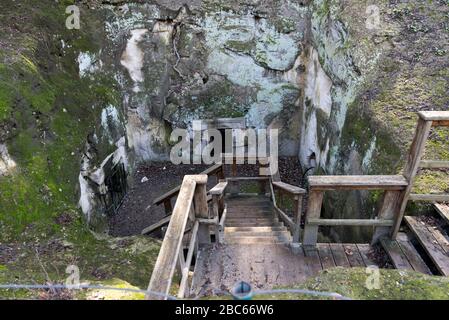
[{"x": 335, "y": 86}]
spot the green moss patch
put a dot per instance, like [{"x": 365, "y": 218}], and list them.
[{"x": 393, "y": 285}]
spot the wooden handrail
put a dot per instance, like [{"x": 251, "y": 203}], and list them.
[
  {"x": 427, "y": 120},
  {"x": 288, "y": 187},
  {"x": 297, "y": 194},
  {"x": 192, "y": 191},
  {"x": 325, "y": 183},
  {"x": 393, "y": 187},
  {"x": 215, "y": 169},
  {"x": 219, "y": 208}
]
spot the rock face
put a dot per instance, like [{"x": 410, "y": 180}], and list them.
[
  {"x": 203, "y": 61},
  {"x": 329, "y": 74}
]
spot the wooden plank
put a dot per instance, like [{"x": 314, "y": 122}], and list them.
[
  {"x": 298, "y": 214},
  {"x": 326, "y": 258},
  {"x": 388, "y": 211},
  {"x": 183, "y": 289},
  {"x": 157, "y": 225},
  {"x": 429, "y": 197},
  {"x": 440, "y": 123},
  {"x": 315, "y": 203},
  {"x": 218, "y": 189},
  {"x": 434, "y": 164},
  {"x": 236, "y": 179},
  {"x": 365, "y": 250},
  {"x": 350, "y": 222},
  {"x": 202, "y": 212},
  {"x": 443, "y": 210},
  {"x": 340, "y": 258},
  {"x": 434, "y": 115},
  {"x": 413, "y": 257},
  {"x": 436, "y": 253},
  {"x": 411, "y": 168},
  {"x": 353, "y": 255},
  {"x": 173, "y": 192},
  {"x": 286, "y": 219},
  {"x": 441, "y": 239},
  {"x": 288, "y": 187},
  {"x": 223, "y": 123},
  {"x": 164, "y": 269},
  {"x": 357, "y": 182},
  {"x": 397, "y": 257},
  {"x": 312, "y": 259}
]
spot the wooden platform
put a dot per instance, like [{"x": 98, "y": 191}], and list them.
[
  {"x": 269, "y": 265},
  {"x": 434, "y": 242}
]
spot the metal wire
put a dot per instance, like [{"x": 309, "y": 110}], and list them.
[
  {"x": 79, "y": 287},
  {"x": 169, "y": 297}
]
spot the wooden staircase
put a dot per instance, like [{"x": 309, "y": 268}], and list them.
[{"x": 252, "y": 220}]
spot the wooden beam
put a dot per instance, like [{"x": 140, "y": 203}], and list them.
[
  {"x": 173, "y": 192},
  {"x": 298, "y": 213},
  {"x": 236, "y": 179},
  {"x": 185, "y": 272},
  {"x": 202, "y": 211},
  {"x": 429, "y": 197},
  {"x": 434, "y": 164},
  {"x": 350, "y": 222},
  {"x": 289, "y": 222},
  {"x": 218, "y": 189},
  {"x": 411, "y": 167},
  {"x": 157, "y": 225},
  {"x": 388, "y": 211},
  {"x": 357, "y": 182},
  {"x": 434, "y": 115},
  {"x": 443, "y": 210},
  {"x": 288, "y": 187},
  {"x": 165, "y": 266},
  {"x": 315, "y": 203}
]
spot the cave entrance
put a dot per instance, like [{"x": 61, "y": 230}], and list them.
[
  {"x": 223, "y": 124},
  {"x": 116, "y": 185}
]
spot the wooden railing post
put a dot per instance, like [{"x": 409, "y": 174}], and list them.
[
  {"x": 313, "y": 212},
  {"x": 298, "y": 212},
  {"x": 202, "y": 212},
  {"x": 388, "y": 211},
  {"x": 168, "y": 206},
  {"x": 411, "y": 168},
  {"x": 216, "y": 214}
]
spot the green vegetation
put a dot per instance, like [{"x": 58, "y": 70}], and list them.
[{"x": 393, "y": 285}]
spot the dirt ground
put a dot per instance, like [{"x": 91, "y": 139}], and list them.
[{"x": 137, "y": 211}]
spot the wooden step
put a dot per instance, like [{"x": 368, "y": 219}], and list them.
[
  {"x": 245, "y": 224},
  {"x": 256, "y": 240},
  {"x": 250, "y": 214},
  {"x": 433, "y": 241},
  {"x": 284, "y": 234},
  {"x": 443, "y": 210},
  {"x": 267, "y": 220},
  {"x": 254, "y": 229},
  {"x": 404, "y": 255}
]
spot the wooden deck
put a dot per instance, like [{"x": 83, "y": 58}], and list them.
[
  {"x": 268, "y": 265},
  {"x": 257, "y": 248}
]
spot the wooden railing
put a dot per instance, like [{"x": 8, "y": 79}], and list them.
[
  {"x": 192, "y": 205},
  {"x": 219, "y": 208},
  {"x": 167, "y": 198},
  {"x": 427, "y": 120},
  {"x": 393, "y": 187},
  {"x": 296, "y": 194}
]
